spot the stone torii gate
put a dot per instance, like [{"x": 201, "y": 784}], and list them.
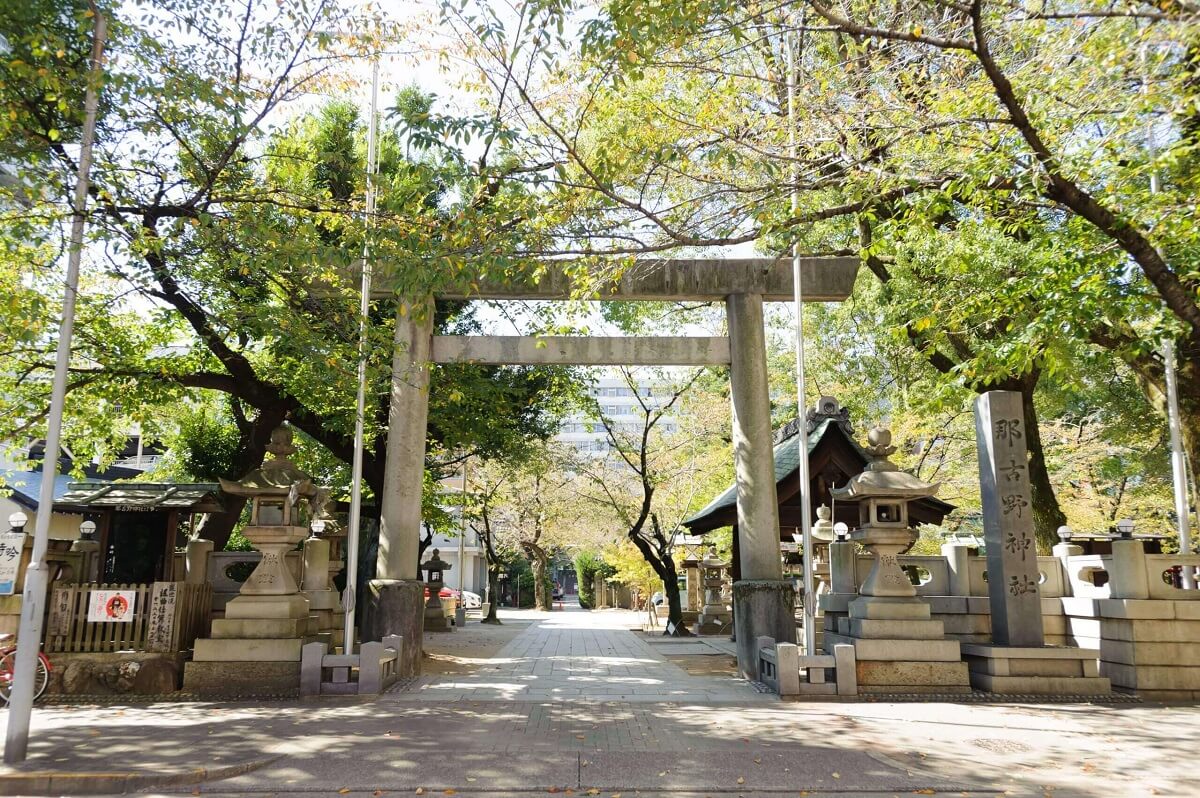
[{"x": 763, "y": 600}]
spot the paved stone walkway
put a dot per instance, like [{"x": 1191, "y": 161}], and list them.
[{"x": 574, "y": 655}]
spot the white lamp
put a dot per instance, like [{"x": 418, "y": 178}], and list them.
[
  {"x": 841, "y": 530},
  {"x": 1125, "y": 527},
  {"x": 87, "y": 530},
  {"x": 17, "y": 521}
]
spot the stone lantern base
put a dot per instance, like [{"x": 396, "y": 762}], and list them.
[
  {"x": 255, "y": 648},
  {"x": 898, "y": 647}
]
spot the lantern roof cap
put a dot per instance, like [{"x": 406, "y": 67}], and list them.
[
  {"x": 279, "y": 476},
  {"x": 882, "y": 478}
]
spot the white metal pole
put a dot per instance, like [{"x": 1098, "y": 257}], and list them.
[
  {"x": 1178, "y": 465},
  {"x": 33, "y": 602},
  {"x": 1178, "y": 471},
  {"x": 364, "y": 321},
  {"x": 810, "y": 605}
]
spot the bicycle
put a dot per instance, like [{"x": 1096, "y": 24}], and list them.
[{"x": 8, "y": 663}]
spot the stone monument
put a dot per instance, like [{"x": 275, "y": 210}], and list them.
[
  {"x": 898, "y": 646},
  {"x": 1018, "y": 661},
  {"x": 715, "y": 617},
  {"x": 256, "y": 646}
]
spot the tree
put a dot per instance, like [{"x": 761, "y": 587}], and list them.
[
  {"x": 629, "y": 482},
  {"x": 1028, "y": 118},
  {"x": 224, "y": 230}
]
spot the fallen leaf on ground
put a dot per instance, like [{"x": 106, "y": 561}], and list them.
[
  {"x": 449, "y": 792},
  {"x": 741, "y": 779},
  {"x": 377, "y": 793},
  {"x": 758, "y": 760},
  {"x": 593, "y": 791},
  {"x": 343, "y": 791},
  {"x": 470, "y": 778},
  {"x": 580, "y": 736},
  {"x": 420, "y": 791},
  {"x": 836, "y": 775}
]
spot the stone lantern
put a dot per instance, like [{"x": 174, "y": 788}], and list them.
[
  {"x": 435, "y": 615},
  {"x": 256, "y": 646},
  {"x": 883, "y": 492},
  {"x": 888, "y": 620},
  {"x": 822, "y": 536},
  {"x": 715, "y": 617}
]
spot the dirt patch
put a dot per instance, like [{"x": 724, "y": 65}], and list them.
[
  {"x": 466, "y": 650},
  {"x": 705, "y": 664}
]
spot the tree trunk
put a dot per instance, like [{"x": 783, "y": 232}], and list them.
[
  {"x": 541, "y": 595},
  {"x": 674, "y": 604},
  {"x": 1047, "y": 515},
  {"x": 493, "y": 594}
]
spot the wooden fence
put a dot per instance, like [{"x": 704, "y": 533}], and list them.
[{"x": 167, "y": 617}]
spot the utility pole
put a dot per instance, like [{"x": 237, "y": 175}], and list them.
[{"x": 33, "y": 602}]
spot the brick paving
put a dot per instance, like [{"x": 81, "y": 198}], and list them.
[
  {"x": 574, "y": 655},
  {"x": 682, "y": 735}
]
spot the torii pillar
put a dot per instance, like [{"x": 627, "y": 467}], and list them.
[
  {"x": 763, "y": 602},
  {"x": 395, "y": 600}
]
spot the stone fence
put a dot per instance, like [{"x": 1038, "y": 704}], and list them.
[{"x": 1126, "y": 605}]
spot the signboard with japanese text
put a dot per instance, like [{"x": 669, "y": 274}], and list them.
[
  {"x": 111, "y": 606},
  {"x": 1012, "y": 567},
  {"x": 11, "y": 544},
  {"x": 162, "y": 616}
]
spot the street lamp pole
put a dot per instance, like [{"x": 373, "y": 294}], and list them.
[{"x": 29, "y": 635}]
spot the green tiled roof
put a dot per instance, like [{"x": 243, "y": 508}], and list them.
[{"x": 787, "y": 460}]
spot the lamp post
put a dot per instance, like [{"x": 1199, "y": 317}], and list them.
[
  {"x": 17, "y": 522},
  {"x": 1125, "y": 528}
]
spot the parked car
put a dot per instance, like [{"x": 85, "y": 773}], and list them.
[{"x": 472, "y": 601}]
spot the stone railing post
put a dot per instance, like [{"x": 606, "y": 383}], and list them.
[
  {"x": 843, "y": 564},
  {"x": 1127, "y": 572},
  {"x": 316, "y": 564},
  {"x": 195, "y": 559},
  {"x": 958, "y": 559},
  {"x": 1064, "y": 552}
]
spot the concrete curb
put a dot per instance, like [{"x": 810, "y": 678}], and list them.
[{"x": 53, "y": 782}]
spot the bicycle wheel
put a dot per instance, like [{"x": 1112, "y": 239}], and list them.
[{"x": 8, "y": 665}]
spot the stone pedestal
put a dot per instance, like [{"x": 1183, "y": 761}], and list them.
[
  {"x": 1037, "y": 670},
  {"x": 762, "y": 608},
  {"x": 254, "y": 649},
  {"x": 898, "y": 647},
  {"x": 396, "y": 607}
]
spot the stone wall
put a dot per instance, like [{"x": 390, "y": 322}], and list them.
[{"x": 1146, "y": 632}]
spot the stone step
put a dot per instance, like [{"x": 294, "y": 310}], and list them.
[
  {"x": 263, "y": 628},
  {"x": 898, "y": 650},
  {"x": 897, "y": 630},
  {"x": 885, "y": 609},
  {"x": 928, "y": 674},
  {"x": 1041, "y": 685},
  {"x": 252, "y": 649},
  {"x": 240, "y": 678}
]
